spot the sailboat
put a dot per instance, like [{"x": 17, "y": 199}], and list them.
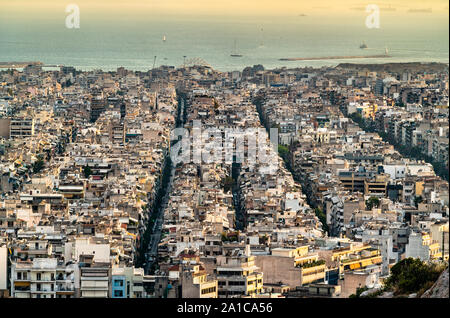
[
  {"x": 234, "y": 54},
  {"x": 164, "y": 38},
  {"x": 261, "y": 44}
]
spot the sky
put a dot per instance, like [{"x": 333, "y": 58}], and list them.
[
  {"x": 33, "y": 8},
  {"x": 132, "y": 30}
]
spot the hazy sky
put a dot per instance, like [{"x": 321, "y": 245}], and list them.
[
  {"x": 229, "y": 7},
  {"x": 130, "y": 32}
]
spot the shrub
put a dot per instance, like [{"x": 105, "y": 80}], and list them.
[{"x": 411, "y": 275}]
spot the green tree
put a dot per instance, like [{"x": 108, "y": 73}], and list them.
[
  {"x": 228, "y": 183},
  {"x": 87, "y": 171},
  {"x": 372, "y": 202},
  {"x": 412, "y": 275},
  {"x": 418, "y": 200},
  {"x": 283, "y": 151},
  {"x": 38, "y": 165},
  {"x": 359, "y": 291},
  {"x": 322, "y": 218}
]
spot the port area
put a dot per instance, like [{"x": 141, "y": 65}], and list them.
[{"x": 335, "y": 57}]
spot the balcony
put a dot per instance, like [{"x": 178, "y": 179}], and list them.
[
  {"x": 65, "y": 289},
  {"x": 42, "y": 290},
  {"x": 42, "y": 280}
]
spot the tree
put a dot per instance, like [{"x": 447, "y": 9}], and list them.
[
  {"x": 359, "y": 291},
  {"x": 87, "y": 171},
  {"x": 418, "y": 200},
  {"x": 357, "y": 118},
  {"x": 322, "y": 218},
  {"x": 284, "y": 152},
  {"x": 228, "y": 184},
  {"x": 38, "y": 165},
  {"x": 372, "y": 202},
  {"x": 412, "y": 275}
]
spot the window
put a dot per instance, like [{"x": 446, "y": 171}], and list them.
[
  {"x": 38, "y": 276},
  {"x": 118, "y": 293},
  {"x": 208, "y": 290},
  {"x": 239, "y": 283},
  {"x": 118, "y": 283}
]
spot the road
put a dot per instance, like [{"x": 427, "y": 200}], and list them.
[{"x": 155, "y": 238}]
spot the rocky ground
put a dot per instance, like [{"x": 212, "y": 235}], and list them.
[{"x": 440, "y": 287}]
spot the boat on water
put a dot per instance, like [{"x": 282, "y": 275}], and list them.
[
  {"x": 164, "y": 38},
  {"x": 235, "y": 54},
  {"x": 363, "y": 46}
]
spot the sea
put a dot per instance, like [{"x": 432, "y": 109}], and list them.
[{"x": 144, "y": 42}]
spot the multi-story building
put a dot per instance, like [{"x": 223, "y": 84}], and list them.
[
  {"x": 95, "y": 280},
  {"x": 195, "y": 283},
  {"x": 292, "y": 266},
  {"x": 127, "y": 282},
  {"x": 43, "y": 278},
  {"x": 238, "y": 276}
]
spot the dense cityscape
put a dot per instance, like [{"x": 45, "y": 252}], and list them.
[{"x": 190, "y": 182}]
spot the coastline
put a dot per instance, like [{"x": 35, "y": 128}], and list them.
[{"x": 423, "y": 66}]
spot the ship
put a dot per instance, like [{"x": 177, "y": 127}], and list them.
[
  {"x": 363, "y": 46},
  {"x": 235, "y": 54}
]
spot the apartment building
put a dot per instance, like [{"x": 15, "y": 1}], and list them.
[
  {"x": 292, "y": 266},
  {"x": 195, "y": 282},
  {"x": 43, "y": 278},
  {"x": 95, "y": 279},
  {"x": 237, "y": 275}
]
